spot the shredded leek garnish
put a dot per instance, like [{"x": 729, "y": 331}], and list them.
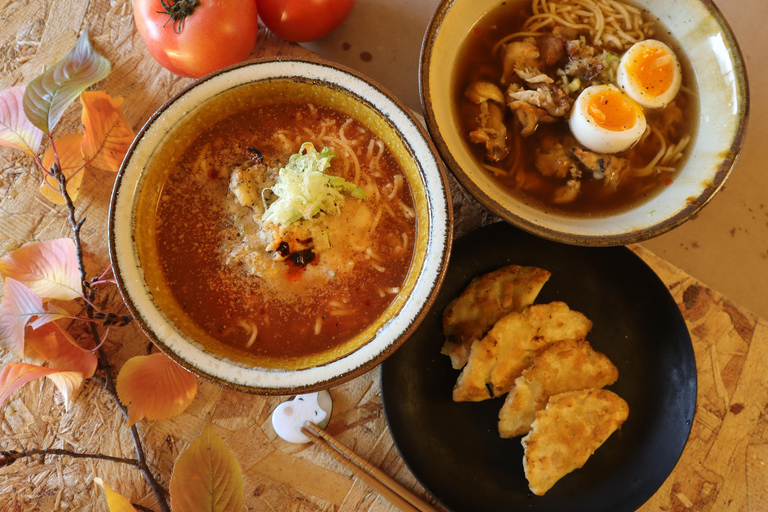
[{"x": 304, "y": 190}]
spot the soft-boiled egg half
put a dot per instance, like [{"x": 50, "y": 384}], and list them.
[
  {"x": 650, "y": 73},
  {"x": 606, "y": 120}
]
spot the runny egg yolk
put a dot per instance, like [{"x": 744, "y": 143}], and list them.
[
  {"x": 612, "y": 110},
  {"x": 650, "y": 73},
  {"x": 605, "y": 120},
  {"x": 653, "y": 70}
]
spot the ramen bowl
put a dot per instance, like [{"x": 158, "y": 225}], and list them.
[
  {"x": 140, "y": 198},
  {"x": 707, "y": 43}
]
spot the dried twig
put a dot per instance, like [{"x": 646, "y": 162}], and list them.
[
  {"x": 9, "y": 457},
  {"x": 108, "y": 383}
]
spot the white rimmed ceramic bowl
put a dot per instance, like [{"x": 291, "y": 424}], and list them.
[
  {"x": 720, "y": 73},
  {"x": 132, "y": 241}
]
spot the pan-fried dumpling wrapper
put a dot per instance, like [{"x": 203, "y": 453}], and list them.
[
  {"x": 567, "y": 432},
  {"x": 567, "y": 365},
  {"x": 483, "y": 302},
  {"x": 511, "y": 346}
]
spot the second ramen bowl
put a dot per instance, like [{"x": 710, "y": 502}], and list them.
[
  {"x": 140, "y": 186},
  {"x": 719, "y": 72}
]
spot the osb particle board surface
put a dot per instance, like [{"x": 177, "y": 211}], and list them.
[{"x": 723, "y": 466}]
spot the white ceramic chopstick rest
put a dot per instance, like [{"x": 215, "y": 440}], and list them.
[{"x": 289, "y": 417}]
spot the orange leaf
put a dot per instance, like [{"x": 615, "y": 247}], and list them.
[
  {"x": 18, "y": 307},
  {"x": 15, "y": 375},
  {"x": 56, "y": 346},
  {"x": 207, "y": 477},
  {"x": 154, "y": 387},
  {"x": 116, "y": 502},
  {"x": 49, "y": 269},
  {"x": 107, "y": 133},
  {"x": 71, "y": 158}
]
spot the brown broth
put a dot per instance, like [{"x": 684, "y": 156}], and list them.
[
  {"x": 192, "y": 216},
  {"x": 477, "y": 62}
]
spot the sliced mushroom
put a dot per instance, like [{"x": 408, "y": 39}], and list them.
[
  {"x": 491, "y": 131},
  {"x": 568, "y": 192},
  {"x": 519, "y": 54},
  {"x": 533, "y": 76},
  {"x": 547, "y": 96},
  {"x": 609, "y": 168},
  {"x": 479, "y": 92},
  {"x": 553, "y": 160}
]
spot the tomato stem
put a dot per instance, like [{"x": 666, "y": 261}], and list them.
[{"x": 178, "y": 10}]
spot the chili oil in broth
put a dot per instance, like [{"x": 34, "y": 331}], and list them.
[
  {"x": 477, "y": 62},
  {"x": 293, "y": 318}
]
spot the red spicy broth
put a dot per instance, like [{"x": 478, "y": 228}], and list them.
[{"x": 296, "y": 312}]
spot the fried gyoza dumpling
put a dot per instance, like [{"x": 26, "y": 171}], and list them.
[
  {"x": 510, "y": 347},
  {"x": 567, "y": 432},
  {"x": 567, "y": 365},
  {"x": 487, "y": 298}
]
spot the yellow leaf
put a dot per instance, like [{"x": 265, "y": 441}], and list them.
[
  {"x": 107, "y": 133},
  {"x": 116, "y": 502},
  {"x": 154, "y": 387},
  {"x": 71, "y": 159},
  {"x": 207, "y": 477}
]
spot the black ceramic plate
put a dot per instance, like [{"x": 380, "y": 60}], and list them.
[{"x": 454, "y": 449}]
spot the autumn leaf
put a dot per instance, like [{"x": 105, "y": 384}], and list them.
[
  {"x": 68, "y": 383},
  {"x": 116, "y": 502},
  {"x": 154, "y": 387},
  {"x": 70, "y": 154},
  {"x": 48, "y": 96},
  {"x": 49, "y": 269},
  {"x": 107, "y": 133},
  {"x": 57, "y": 346},
  {"x": 16, "y": 131},
  {"x": 17, "y": 308},
  {"x": 207, "y": 477},
  {"x": 15, "y": 375}
]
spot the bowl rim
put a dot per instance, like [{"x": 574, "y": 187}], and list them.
[
  {"x": 442, "y": 258},
  {"x": 693, "y": 206}
]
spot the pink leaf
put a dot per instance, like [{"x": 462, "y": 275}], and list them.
[
  {"x": 16, "y": 131},
  {"x": 18, "y": 307},
  {"x": 56, "y": 346},
  {"x": 49, "y": 269},
  {"x": 15, "y": 375},
  {"x": 15, "y": 312}
]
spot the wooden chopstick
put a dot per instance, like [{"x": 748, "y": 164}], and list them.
[{"x": 370, "y": 474}]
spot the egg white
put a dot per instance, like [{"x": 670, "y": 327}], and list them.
[
  {"x": 593, "y": 136},
  {"x": 629, "y": 83}
]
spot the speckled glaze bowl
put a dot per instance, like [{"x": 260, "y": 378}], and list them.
[
  {"x": 133, "y": 243},
  {"x": 707, "y": 40}
]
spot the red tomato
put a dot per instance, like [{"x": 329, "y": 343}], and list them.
[
  {"x": 202, "y": 36},
  {"x": 303, "y": 20}
]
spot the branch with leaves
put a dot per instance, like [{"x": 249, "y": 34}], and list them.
[{"x": 43, "y": 280}]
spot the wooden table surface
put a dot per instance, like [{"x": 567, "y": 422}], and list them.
[{"x": 724, "y": 465}]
